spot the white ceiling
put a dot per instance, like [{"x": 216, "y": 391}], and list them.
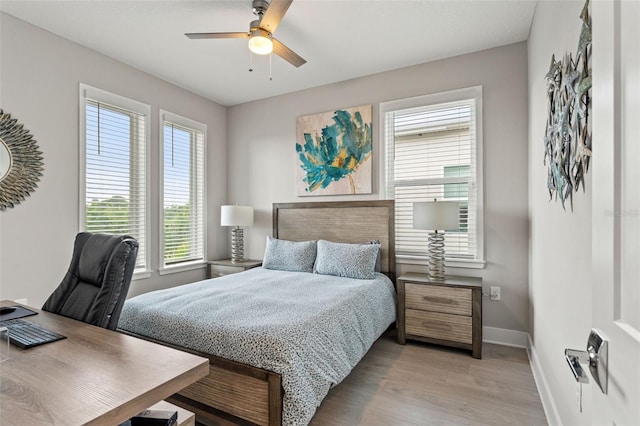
[{"x": 340, "y": 39}]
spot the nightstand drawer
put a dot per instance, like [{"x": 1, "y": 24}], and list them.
[
  {"x": 435, "y": 325},
  {"x": 220, "y": 270},
  {"x": 438, "y": 299}
]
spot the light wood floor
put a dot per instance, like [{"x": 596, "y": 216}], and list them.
[{"x": 421, "y": 384}]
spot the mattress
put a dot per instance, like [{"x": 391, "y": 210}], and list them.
[{"x": 311, "y": 329}]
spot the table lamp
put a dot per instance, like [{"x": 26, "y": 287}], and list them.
[
  {"x": 236, "y": 216},
  {"x": 436, "y": 215}
]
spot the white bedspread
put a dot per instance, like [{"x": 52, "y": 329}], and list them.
[{"x": 311, "y": 329}]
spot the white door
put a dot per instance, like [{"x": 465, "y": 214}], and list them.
[{"x": 616, "y": 205}]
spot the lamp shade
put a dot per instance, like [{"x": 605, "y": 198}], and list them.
[
  {"x": 260, "y": 42},
  {"x": 236, "y": 216},
  {"x": 436, "y": 215}
]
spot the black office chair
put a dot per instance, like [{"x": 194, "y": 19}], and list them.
[{"x": 96, "y": 285}]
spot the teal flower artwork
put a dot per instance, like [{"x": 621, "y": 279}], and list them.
[{"x": 334, "y": 152}]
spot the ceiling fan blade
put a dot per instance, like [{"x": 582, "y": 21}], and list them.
[
  {"x": 274, "y": 14},
  {"x": 216, "y": 35},
  {"x": 287, "y": 54}
]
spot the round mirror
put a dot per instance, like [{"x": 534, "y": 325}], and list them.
[{"x": 5, "y": 160}]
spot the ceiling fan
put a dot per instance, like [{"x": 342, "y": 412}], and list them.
[{"x": 260, "y": 35}]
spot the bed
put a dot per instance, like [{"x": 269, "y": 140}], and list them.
[{"x": 267, "y": 368}]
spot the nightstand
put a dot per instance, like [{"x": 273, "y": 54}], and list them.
[
  {"x": 445, "y": 312},
  {"x": 218, "y": 268}
]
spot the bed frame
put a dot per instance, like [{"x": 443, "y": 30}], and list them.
[{"x": 254, "y": 394}]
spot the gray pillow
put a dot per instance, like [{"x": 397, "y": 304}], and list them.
[
  {"x": 347, "y": 260},
  {"x": 294, "y": 256}
]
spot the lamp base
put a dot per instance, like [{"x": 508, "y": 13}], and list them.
[
  {"x": 237, "y": 244},
  {"x": 435, "y": 269}
]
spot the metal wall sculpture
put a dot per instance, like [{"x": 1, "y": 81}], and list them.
[
  {"x": 567, "y": 141},
  {"x": 20, "y": 162}
]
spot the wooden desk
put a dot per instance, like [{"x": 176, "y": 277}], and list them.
[{"x": 94, "y": 376}]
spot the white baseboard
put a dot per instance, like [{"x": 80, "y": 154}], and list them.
[
  {"x": 503, "y": 336},
  {"x": 549, "y": 406}
]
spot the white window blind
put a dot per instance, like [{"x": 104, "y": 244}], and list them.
[
  {"x": 183, "y": 194},
  {"x": 431, "y": 153},
  {"x": 114, "y": 190}
]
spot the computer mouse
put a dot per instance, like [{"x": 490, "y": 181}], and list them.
[{"x": 7, "y": 310}]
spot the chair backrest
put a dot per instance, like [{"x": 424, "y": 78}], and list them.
[{"x": 96, "y": 285}]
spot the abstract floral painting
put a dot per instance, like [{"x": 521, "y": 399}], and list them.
[{"x": 333, "y": 152}]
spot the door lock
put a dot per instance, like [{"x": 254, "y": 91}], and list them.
[{"x": 595, "y": 356}]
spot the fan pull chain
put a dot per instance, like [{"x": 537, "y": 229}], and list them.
[
  {"x": 270, "y": 79},
  {"x": 250, "y": 61}
]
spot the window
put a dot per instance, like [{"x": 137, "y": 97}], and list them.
[
  {"x": 434, "y": 151},
  {"x": 182, "y": 191},
  {"x": 458, "y": 192},
  {"x": 113, "y": 167}
]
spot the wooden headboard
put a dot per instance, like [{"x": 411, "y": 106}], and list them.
[{"x": 341, "y": 222}]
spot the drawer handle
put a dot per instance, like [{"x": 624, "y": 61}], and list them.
[
  {"x": 436, "y": 325},
  {"x": 441, "y": 300}
]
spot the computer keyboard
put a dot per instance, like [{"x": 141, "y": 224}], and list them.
[{"x": 26, "y": 335}]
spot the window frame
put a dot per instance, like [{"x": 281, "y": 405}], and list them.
[
  {"x": 457, "y": 95},
  {"x": 87, "y": 93},
  {"x": 166, "y": 116}
]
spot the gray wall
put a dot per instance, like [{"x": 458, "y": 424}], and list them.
[
  {"x": 262, "y": 158},
  {"x": 560, "y": 252},
  {"x": 40, "y": 74}
]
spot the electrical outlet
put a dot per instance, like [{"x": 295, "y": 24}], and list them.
[{"x": 495, "y": 293}]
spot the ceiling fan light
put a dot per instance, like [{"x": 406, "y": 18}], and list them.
[{"x": 260, "y": 42}]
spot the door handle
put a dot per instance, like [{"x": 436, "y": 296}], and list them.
[
  {"x": 574, "y": 357},
  {"x": 596, "y": 356}
]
